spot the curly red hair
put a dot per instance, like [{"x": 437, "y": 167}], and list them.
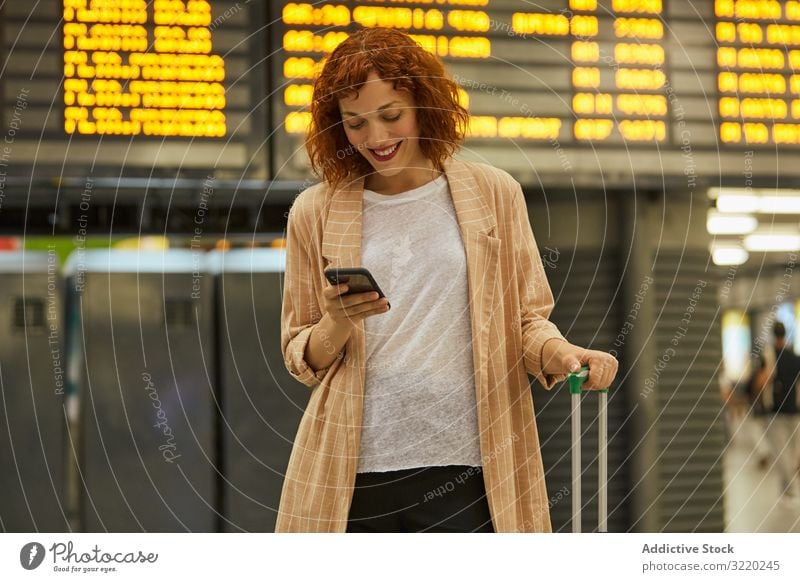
[{"x": 395, "y": 57}]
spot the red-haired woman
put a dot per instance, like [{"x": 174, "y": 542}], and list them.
[{"x": 420, "y": 416}]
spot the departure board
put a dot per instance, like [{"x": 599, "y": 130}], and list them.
[
  {"x": 137, "y": 87},
  {"x": 618, "y": 77},
  {"x": 759, "y": 71},
  {"x": 653, "y": 84},
  {"x": 133, "y": 67},
  {"x": 572, "y": 72},
  {"x": 614, "y": 60},
  {"x": 557, "y": 90}
]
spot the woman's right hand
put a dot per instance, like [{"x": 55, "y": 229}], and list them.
[{"x": 350, "y": 309}]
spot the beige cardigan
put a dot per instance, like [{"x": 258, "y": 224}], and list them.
[{"x": 510, "y": 301}]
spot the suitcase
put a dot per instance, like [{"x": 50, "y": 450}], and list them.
[{"x": 576, "y": 380}]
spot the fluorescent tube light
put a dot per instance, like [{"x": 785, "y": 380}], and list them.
[
  {"x": 720, "y": 223},
  {"x": 772, "y": 242},
  {"x": 729, "y": 255}
]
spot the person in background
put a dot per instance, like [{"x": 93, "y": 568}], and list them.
[
  {"x": 758, "y": 386},
  {"x": 782, "y": 429}
]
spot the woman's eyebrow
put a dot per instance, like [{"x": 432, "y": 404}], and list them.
[{"x": 382, "y": 107}]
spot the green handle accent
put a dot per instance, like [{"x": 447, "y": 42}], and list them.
[{"x": 576, "y": 380}]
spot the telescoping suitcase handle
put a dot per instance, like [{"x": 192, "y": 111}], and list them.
[{"x": 576, "y": 380}]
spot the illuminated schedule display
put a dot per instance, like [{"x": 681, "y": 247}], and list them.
[
  {"x": 758, "y": 80},
  {"x": 573, "y": 71},
  {"x": 138, "y": 67},
  {"x": 619, "y": 85},
  {"x": 314, "y": 30},
  {"x": 617, "y": 68},
  {"x": 138, "y": 88},
  {"x": 556, "y": 87}
]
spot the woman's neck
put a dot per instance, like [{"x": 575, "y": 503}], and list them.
[{"x": 402, "y": 182}]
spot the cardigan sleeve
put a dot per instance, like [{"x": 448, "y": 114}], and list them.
[
  {"x": 300, "y": 310},
  {"x": 536, "y": 298}
]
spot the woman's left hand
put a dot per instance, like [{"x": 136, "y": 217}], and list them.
[{"x": 602, "y": 366}]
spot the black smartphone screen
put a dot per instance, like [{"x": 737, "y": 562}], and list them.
[{"x": 358, "y": 279}]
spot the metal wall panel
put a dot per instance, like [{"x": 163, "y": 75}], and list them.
[
  {"x": 584, "y": 284},
  {"x": 262, "y": 403},
  {"x": 144, "y": 365},
  {"x": 32, "y": 406},
  {"x": 690, "y": 421}
]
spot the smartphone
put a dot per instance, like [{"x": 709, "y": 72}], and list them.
[{"x": 358, "y": 279}]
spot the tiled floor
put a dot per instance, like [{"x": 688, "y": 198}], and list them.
[{"x": 753, "y": 502}]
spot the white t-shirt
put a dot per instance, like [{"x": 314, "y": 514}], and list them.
[{"x": 419, "y": 400}]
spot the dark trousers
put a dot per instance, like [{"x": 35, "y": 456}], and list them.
[{"x": 422, "y": 499}]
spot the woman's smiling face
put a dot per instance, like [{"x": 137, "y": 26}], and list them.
[{"x": 381, "y": 122}]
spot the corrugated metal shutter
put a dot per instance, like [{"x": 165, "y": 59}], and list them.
[
  {"x": 586, "y": 287},
  {"x": 690, "y": 422}
]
